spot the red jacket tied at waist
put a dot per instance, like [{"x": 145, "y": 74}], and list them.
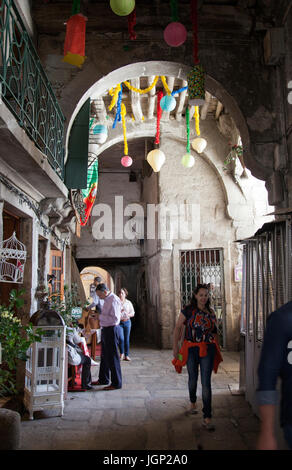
[{"x": 184, "y": 351}]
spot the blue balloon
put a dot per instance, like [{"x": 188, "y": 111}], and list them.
[{"x": 168, "y": 103}]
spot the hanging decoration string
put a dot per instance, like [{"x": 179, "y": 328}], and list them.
[
  {"x": 118, "y": 112},
  {"x": 75, "y": 7},
  {"x": 146, "y": 90},
  {"x": 197, "y": 120},
  {"x": 159, "y": 113},
  {"x": 123, "y": 114},
  {"x": 194, "y": 15},
  {"x": 114, "y": 94},
  {"x": 188, "y": 129},
  {"x": 131, "y": 24},
  {"x": 179, "y": 90},
  {"x": 163, "y": 79},
  {"x": 174, "y": 10},
  {"x": 138, "y": 90}
]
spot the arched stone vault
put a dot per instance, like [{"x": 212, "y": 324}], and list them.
[{"x": 148, "y": 127}]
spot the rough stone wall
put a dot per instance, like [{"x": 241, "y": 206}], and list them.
[
  {"x": 115, "y": 194},
  {"x": 215, "y": 224},
  {"x": 288, "y": 102},
  {"x": 234, "y": 60}
]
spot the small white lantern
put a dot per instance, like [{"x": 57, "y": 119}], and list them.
[
  {"x": 188, "y": 160},
  {"x": 156, "y": 159},
  {"x": 199, "y": 144},
  {"x": 45, "y": 366}
]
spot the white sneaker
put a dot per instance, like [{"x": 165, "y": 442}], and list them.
[
  {"x": 122, "y": 357},
  {"x": 93, "y": 363}
]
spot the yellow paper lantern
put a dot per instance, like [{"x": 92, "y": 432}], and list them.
[
  {"x": 156, "y": 159},
  {"x": 188, "y": 160},
  {"x": 199, "y": 144}
]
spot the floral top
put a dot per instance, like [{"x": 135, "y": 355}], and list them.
[{"x": 200, "y": 326}]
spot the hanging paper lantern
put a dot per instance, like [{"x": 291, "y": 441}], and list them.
[
  {"x": 168, "y": 103},
  {"x": 196, "y": 86},
  {"x": 188, "y": 160},
  {"x": 74, "y": 47},
  {"x": 100, "y": 132},
  {"x": 122, "y": 7},
  {"x": 175, "y": 34},
  {"x": 126, "y": 160},
  {"x": 199, "y": 144},
  {"x": 156, "y": 159}
]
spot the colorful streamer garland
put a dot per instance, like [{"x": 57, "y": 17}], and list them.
[
  {"x": 131, "y": 24},
  {"x": 158, "y": 117}
]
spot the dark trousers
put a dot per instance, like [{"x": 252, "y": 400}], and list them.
[
  {"x": 86, "y": 371},
  {"x": 206, "y": 366},
  {"x": 110, "y": 367}
]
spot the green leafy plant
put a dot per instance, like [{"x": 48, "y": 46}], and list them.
[
  {"x": 64, "y": 306},
  {"x": 15, "y": 339},
  {"x": 235, "y": 152}
]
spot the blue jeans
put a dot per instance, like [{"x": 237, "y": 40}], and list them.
[
  {"x": 206, "y": 366},
  {"x": 288, "y": 434},
  {"x": 125, "y": 328}
]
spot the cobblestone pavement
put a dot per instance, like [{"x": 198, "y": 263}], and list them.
[{"x": 148, "y": 413}]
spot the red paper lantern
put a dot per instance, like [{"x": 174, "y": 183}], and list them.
[
  {"x": 175, "y": 34},
  {"x": 126, "y": 161},
  {"x": 74, "y": 47}
]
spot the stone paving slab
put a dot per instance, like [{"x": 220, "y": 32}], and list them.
[{"x": 148, "y": 413}]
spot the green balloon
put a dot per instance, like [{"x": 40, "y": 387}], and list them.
[{"x": 122, "y": 7}]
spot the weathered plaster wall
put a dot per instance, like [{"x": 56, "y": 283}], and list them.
[
  {"x": 213, "y": 194},
  {"x": 109, "y": 221}
]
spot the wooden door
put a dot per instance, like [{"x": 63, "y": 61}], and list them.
[{"x": 56, "y": 268}]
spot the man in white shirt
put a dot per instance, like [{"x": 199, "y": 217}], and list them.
[
  {"x": 109, "y": 321},
  {"x": 76, "y": 357}
]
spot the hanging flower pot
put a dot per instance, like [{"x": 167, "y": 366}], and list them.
[{"x": 196, "y": 86}]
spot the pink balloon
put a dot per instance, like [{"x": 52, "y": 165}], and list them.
[
  {"x": 175, "y": 34},
  {"x": 126, "y": 161}
]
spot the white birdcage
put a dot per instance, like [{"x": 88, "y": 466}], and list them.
[
  {"x": 12, "y": 260},
  {"x": 45, "y": 366}
]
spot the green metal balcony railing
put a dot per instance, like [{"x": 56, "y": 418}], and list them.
[{"x": 25, "y": 88}]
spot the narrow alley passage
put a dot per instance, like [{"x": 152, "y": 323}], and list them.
[{"x": 148, "y": 413}]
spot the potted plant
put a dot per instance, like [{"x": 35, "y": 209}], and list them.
[{"x": 15, "y": 340}]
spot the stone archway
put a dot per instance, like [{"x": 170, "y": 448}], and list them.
[{"x": 172, "y": 69}]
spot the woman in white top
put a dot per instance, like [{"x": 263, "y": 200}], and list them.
[{"x": 125, "y": 324}]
